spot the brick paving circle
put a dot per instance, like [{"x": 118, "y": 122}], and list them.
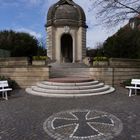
[{"x": 83, "y": 125}]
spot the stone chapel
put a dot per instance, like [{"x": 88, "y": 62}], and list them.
[{"x": 66, "y": 32}]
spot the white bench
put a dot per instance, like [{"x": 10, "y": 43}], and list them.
[
  {"x": 136, "y": 86},
  {"x": 4, "y": 87}
]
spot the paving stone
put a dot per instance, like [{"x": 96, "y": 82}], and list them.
[{"x": 23, "y": 115}]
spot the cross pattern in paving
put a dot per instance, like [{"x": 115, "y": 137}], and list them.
[{"x": 82, "y": 124}]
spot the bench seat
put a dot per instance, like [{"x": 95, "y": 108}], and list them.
[
  {"x": 132, "y": 87},
  {"x": 4, "y": 87},
  {"x": 135, "y": 86},
  {"x": 3, "y": 90}
]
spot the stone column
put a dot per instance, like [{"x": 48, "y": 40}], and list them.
[
  {"x": 73, "y": 50},
  {"x": 58, "y": 48},
  {"x": 74, "y": 47},
  {"x": 49, "y": 42}
]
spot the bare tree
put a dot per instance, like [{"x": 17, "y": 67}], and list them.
[
  {"x": 98, "y": 45},
  {"x": 113, "y": 12}
]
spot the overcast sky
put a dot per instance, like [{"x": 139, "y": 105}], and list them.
[{"x": 30, "y": 16}]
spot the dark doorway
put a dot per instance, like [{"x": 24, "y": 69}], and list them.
[{"x": 67, "y": 48}]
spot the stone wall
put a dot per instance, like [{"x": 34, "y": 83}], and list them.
[
  {"x": 26, "y": 76},
  {"x": 119, "y": 62},
  {"x": 102, "y": 74},
  {"x": 115, "y": 75},
  {"x": 116, "y": 71},
  {"x": 14, "y": 61},
  {"x": 121, "y": 74}
]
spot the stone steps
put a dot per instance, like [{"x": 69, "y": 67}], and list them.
[
  {"x": 67, "y": 72},
  {"x": 28, "y": 90},
  {"x": 81, "y": 89},
  {"x": 69, "y": 69},
  {"x": 56, "y": 87},
  {"x": 70, "y": 84},
  {"x": 68, "y": 65},
  {"x": 75, "y": 91}
]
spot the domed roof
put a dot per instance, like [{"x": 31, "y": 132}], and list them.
[{"x": 66, "y": 12}]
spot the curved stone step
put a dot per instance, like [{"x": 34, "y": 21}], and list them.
[
  {"x": 30, "y": 91},
  {"x": 68, "y": 65},
  {"x": 72, "y": 88},
  {"x": 83, "y": 91},
  {"x": 78, "y": 87},
  {"x": 70, "y": 84},
  {"x": 70, "y": 79}
]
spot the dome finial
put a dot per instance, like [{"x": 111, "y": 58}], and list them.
[{"x": 65, "y": 0}]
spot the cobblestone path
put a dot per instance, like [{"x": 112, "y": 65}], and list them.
[{"x": 22, "y": 117}]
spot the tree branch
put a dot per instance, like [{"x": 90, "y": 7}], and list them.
[{"x": 128, "y": 7}]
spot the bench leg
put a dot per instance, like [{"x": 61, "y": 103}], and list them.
[
  {"x": 135, "y": 91},
  {"x": 130, "y": 92},
  {"x": 4, "y": 95}
]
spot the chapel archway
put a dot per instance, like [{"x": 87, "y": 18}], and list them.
[{"x": 67, "y": 48}]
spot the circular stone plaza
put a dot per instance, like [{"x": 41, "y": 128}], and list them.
[{"x": 67, "y": 99}]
